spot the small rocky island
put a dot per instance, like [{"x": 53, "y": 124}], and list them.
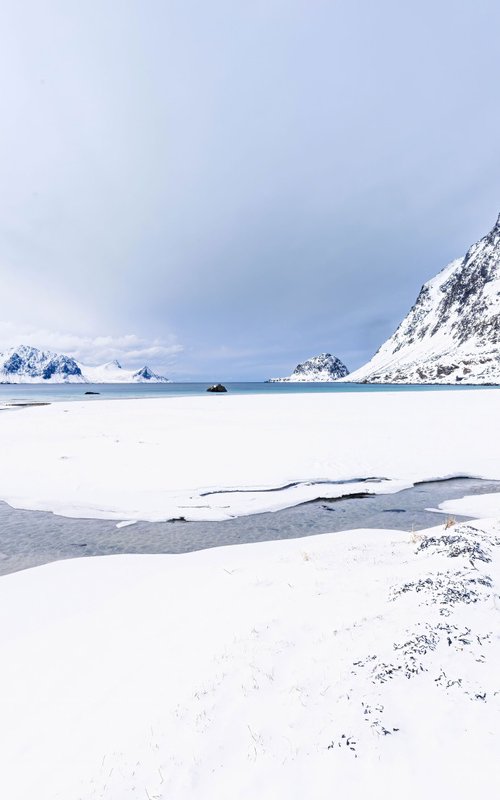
[{"x": 322, "y": 368}]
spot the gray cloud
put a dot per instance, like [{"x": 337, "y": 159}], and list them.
[{"x": 255, "y": 182}]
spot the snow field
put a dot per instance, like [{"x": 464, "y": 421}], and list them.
[
  {"x": 351, "y": 665},
  {"x": 218, "y": 456}
]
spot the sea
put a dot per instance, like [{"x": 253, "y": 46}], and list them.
[{"x": 42, "y": 392}]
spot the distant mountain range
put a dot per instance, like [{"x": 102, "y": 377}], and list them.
[
  {"x": 29, "y": 365},
  {"x": 452, "y": 333},
  {"x": 113, "y": 372},
  {"x": 322, "y": 368}
]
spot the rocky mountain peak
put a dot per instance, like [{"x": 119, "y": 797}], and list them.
[
  {"x": 26, "y": 364},
  {"x": 452, "y": 333},
  {"x": 147, "y": 374},
  {"x": 322, "y": 368}
]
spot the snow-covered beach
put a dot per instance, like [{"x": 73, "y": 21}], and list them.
[
  {"x": 358, "y": 664},
  {"x": 213, "y": 457},
  {"x": 249, "y": 401},
  {"x": 346, "y": 664}
]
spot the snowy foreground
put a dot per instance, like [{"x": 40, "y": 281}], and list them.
[
  {"x": 220, "y": 455},
  {"x": 351, "y": 665}
]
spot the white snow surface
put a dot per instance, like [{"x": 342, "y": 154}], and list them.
[
  {"x": 487, "y": 505},
  {"x": 353, "y": 665},
  {"x": 216, "y": 456},
  {"x": 452, "y": 333}
]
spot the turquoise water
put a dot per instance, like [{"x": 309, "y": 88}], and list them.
[{"x": 58, "y": 392}]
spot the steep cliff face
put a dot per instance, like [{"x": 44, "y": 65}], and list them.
[
  {"x": 324, "y": 367},
  {"x": 452, "y": 333}
]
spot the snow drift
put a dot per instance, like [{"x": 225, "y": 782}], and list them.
[{"x": 350, "y": 665}]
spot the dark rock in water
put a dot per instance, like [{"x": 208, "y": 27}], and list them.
[
  {"x": 217, "y": 387},
  {"x": 92, "y": 393}
]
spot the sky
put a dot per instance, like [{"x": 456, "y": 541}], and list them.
[{"x": 222, "y": 189}]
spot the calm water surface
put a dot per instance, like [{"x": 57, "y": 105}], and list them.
[
  {"x": 30, "y": 538},
  {"x": 59, "y": 392}
]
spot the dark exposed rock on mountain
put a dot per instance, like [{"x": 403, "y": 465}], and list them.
[
  {"x": 147, "y": 375},
  {"x": 452, "y": 333},
  {"x": 29, "y": 365},
  {"x": 324, "y": 367}
]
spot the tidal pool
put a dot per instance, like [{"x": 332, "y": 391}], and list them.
[{"x": 30, "y": 538}]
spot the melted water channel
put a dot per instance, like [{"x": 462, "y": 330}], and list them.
[{"x": 30, "y": 538}]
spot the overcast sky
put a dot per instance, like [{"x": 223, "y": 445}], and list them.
[{"x": 222, "y": 189}]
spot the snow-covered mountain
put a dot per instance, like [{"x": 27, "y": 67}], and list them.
[
  {"x": 452, "y": 333},
  {"x": 324, "y": 367},
  {"x": 29, "y": 365},
  {"x": 113, "y": 372}
]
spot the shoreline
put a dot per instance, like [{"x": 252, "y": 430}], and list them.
[
  {"x": 283, "y": 664},
  {"x": 75, "y": 392},
  {"x": 32, "y": 538},
  {"x": 213, "y": 460}
]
